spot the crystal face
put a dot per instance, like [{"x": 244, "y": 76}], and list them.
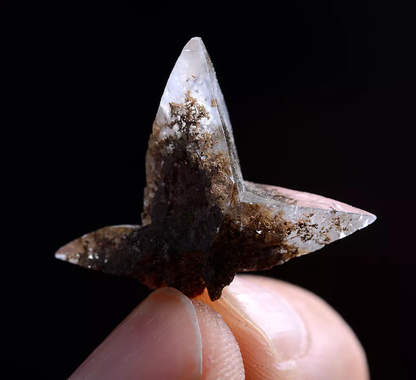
[{"x": 202, "y": 223}]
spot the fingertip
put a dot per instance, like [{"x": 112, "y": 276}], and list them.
[
  {"x": 334, "y": 351},
  {"x": 160, "y": 339},
  {"x": 221, "y": 354},
  {"x": 287, "y": 332}
]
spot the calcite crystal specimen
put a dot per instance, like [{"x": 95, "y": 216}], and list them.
[{"x": 202, "y": 223}]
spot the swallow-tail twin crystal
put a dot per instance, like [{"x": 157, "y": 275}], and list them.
[{"x": 202, "y": 223}]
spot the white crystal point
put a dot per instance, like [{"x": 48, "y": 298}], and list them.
[
  {"x": 316, "y": 220},
  {"x": 194, "y": 73},
  {"x": 192, "y": 121}
]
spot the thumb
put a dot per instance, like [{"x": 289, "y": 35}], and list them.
[
  {"x": 167, "y": 336},
  {"x": 285, "y": 332}
]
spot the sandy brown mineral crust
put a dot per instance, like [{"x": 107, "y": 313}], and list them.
[
  {"x": 184, "y": 171},
  {"x": 191, "y": 191},
  {"x": 188, "y": 253},
  {"x": 251, "y": 238}
]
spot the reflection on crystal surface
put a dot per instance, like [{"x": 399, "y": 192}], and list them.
[{"x": 201, "y": 222}]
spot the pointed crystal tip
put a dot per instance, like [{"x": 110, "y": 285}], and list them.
[
  {"x": 193, "y": 43},
  {"x": 70, "y": 251}
]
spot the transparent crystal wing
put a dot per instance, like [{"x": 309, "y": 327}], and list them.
[
  {"x": 104, "y": 249},
  {"x": 315, "y": 220}
]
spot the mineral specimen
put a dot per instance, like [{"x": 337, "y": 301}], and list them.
[{"x": 202, "y": 223}]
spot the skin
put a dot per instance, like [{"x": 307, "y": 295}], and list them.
[{"x": 261, "y": 328}]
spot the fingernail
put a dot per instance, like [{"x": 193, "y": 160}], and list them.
[
  {"x": 270, "y": 312},
  {"x": 160, "y": 339}
]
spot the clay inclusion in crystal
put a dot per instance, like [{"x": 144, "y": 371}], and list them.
[{"x": 202, "y": 223}]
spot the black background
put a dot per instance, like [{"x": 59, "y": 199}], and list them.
[{"x": 320, "y": 98}]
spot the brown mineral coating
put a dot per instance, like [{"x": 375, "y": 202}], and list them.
[
  {"x": 183, "y": 171},
  {"x": 213, "y": 235},
  {"x": 189, "y": 188},
  {"x": 252, "y": 239},
  {"x": 196, "y": 232},
  {"x": 184, "y": 253}
]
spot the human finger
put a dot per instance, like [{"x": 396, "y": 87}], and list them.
[
  {"x": 167, "y": 336},
  {"x": 285, "y": 332}
]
